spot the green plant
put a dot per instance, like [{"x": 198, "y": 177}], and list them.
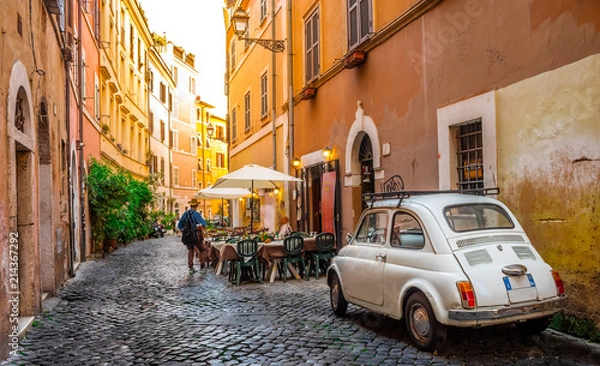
[
  {"x": 578, "y": 327},
  {"x": 118, "y": 205}
]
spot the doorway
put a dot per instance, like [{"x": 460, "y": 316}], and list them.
[{"x": 365, "y": 157}]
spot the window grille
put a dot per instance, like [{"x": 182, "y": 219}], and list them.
[{"x": 469, "y": 154}]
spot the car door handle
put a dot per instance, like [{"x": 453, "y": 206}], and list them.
[{"x": 380, "y": 256}]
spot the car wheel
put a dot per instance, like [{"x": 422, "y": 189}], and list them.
[
  {"x": 421, "y": 324},
  {"x": 534, "y": 326},
  {"x": 338, "y": 303}
]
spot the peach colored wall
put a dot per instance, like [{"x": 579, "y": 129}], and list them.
[{"x": 457, "y": 50}]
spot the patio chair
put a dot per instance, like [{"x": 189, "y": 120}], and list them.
[
  {"x": 294, "y": 247},
  {"x": 247, "y": 250},
  {"x": 325, "y": 251}
]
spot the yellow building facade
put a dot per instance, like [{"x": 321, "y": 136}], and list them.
[{"x": 125, "y": 39}]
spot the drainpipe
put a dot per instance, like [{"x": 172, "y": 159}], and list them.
[
  {"x": 69, "y": 162},
  {"x": 80, "y": 137},
  {"x": 273, "y": 88},
  {"x": 290, "y": 67}
]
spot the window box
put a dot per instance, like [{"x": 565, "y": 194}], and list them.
[
  {"x": 354, "y": 58},
  {"x": 308, "y": 93}
]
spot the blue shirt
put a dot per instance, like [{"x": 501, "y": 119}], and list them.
[{"x": 196, "y": 219}]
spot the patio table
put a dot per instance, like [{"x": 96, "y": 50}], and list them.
[{"x": 268, "y": 252}]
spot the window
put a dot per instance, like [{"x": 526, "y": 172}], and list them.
[
  {"x": 469, "y": 155},
  {"x": 477, "y": 217},
  {"x": 200, "y": 185},
  {"x": 233, "y": 124},
  {"x": 194, "y": 177},
  {"x": 233, "y": 55},
  {"x": 373, "y": 229},
  {"x": 176, "y": 74},
  {"x": 175, "y": 108},
  {"x": 208, "y": 165},
  {"x": 247, "y": 112},
  {"x": 176, "y": 175},
  {"x": 162, "y": 130},
  {"x": 163, "y": 93},
  {"x": 312, "y": 45},
  {"x": 162, "y": 169},
  {"x": 97, "y": 96},
  {"x": 407, "y": 232},
  {"x": 194, "y": 146},
  {"x": 220, "y": 133},
  {"x": 263, "y": 9},
  {"x": 192, "y": 85},
  {"x": 359, "y": 21},
  {"x": 481, "y": 108},
  {"x": 264, "y": 104},
  {"x": 151, "y": 122},
  {"x": 220, "y": 160},
  {"x": 200, "y": 167},
  {"x": 175, "y": 145}
]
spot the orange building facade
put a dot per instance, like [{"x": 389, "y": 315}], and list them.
[{"x": 426, "y": 95}]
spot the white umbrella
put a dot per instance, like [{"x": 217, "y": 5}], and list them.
[
  {"x": 223, "y": 193},
  {"x": 253, "y": 176}
]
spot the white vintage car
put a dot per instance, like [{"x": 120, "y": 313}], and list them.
[{"x": 444, "y": 259}]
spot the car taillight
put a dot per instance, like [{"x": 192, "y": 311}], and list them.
[
  {"x": 467, "y": 295},
  {"x": 560, "y": 287}
]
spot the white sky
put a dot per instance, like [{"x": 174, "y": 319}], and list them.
[{"x": 198, "y": 27}]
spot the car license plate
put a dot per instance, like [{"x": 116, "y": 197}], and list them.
[{"x": 515, "y": 282}]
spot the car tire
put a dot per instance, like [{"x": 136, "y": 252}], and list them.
[
  {"x": 422, "y": 326},
  {"x": 534, "y": 326},
  {"x": 339, "y": 305}
]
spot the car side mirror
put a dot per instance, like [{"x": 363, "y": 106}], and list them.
[{"x": 349, "y": 238}]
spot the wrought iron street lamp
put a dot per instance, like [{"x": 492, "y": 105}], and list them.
[
  {"x": 240, "y": 22},
  {"x": 210, "y": 130}
]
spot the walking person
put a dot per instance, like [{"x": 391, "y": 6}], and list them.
[{"x": 192, "y": 233}]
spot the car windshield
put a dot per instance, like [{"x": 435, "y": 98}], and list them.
[{"x": 472, "y": 217}]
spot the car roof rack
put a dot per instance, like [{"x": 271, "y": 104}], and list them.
[{"x": 371, "y": 198}]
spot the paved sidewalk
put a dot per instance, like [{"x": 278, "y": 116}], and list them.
[{"x": 139, "y": 306}]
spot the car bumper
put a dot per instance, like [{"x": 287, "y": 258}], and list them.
[{"x": 508, "y": 314}]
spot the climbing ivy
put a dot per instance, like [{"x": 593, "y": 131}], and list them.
[{"x": 119, "y": 205}]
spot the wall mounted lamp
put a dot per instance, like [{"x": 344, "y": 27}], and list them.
[
  {"x": 296, "y": 162},
  {"x": 326, "y": 152},
  {"x": 240, "y": 23}
]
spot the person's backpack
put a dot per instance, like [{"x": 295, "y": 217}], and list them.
[{"x": 189, "y": 236}]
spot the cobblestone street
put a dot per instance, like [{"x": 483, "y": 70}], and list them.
[{"x": 139, "y": 306}]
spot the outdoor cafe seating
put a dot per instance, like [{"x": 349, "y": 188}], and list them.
[
  {"x": 270, "y": 253},
  {"x": 247, "y": 251}
]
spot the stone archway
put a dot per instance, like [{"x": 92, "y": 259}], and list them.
[
  {"x": 362, "y": 125},
  {"x": 358, "y": 166},
  {"x": 23, "y": 189}
]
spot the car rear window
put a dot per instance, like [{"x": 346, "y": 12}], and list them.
[{"x": 473, "y": 217}]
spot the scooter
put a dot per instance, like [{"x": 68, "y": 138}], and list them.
[{"x": 158, "y": 230}]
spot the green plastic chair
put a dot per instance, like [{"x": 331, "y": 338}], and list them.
[
  {"x": 294, "y": 247},
  {"x": 325, "y": 251},
  {"x": 247, "y": 250}
]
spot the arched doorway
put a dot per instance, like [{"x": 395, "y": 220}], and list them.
[
  {"x": 23, "y": 205},
  {"x": 365, "y": 158}
]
